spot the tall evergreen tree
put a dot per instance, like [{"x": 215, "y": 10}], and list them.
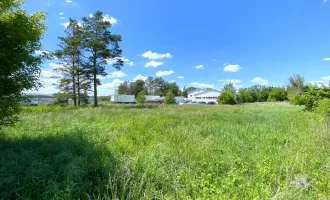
[
  {"x": 101, "y": 45},
  {"x": 69, "y": 56}
]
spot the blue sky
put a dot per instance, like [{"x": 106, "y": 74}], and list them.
[{"x": 204, "y": 43}]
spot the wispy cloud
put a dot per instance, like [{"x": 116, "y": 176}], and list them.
[
  {"x": 153, "y": 64},
  {"x": 202, "y": 85},
  {"x": 180, "y": 77},
  {"x": 61, "y": 13},
  {"x": 164, "y": 73},
  {"x": 156, "y": 56},
  {"x": 231, "y": 68},
  {"x": 108, "y": 18},
  {"x": 259, "y": 81},
  {"x": 68, "y": 1},
  {"x": 326, "y": 59},
  {"x": 200, "y": 67},
  {"x": 140, "y": 77},
  {"x": 66, "y": 24}
]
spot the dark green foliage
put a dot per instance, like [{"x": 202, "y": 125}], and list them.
[
  {"x": 101, "y": 46},
  {"x": 173, "y": 87},
  {"x": 138, "y": 86},
  {"x": 141, "y": 97},
  {"x": 104, "y": 98},
  {"x": 20, "y": 34},
  {"x": 245, "y": 95},
  {"x": 169, "y": 98},
  {"x": 277, "y": 94},
  {"x": 310, "y": 96},
  {"x": 323, "y": 107},
  {"x": 227, "y": 97}
]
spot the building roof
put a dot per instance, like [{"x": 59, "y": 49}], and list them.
[{"x": 199, "y": 92}]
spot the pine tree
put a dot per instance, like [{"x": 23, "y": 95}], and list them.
[{"x": 101, "y": 46}]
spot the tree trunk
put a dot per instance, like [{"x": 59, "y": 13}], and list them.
[
  {"x": 74, "y": 83},
  {"x": 95, "y": 85},
  {"x": 78, "y": 81}
]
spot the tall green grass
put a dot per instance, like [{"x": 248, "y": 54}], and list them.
[{"x": 253, "y": 151}]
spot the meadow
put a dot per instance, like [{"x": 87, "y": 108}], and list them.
[{"x": 250, "y": 151}]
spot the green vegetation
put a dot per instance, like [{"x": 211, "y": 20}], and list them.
[
  {"x": 227, "y": 97},
  {"x": 252, "y": 151},
  {"x": 169, "y": 98},
  {"x": 20, "y": 34},
  {"x": 141, "y": 97}
]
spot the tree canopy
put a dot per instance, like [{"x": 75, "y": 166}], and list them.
[{"x": 20, "y": 34}]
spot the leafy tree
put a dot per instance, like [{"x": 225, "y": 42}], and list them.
[
  {"x": 159, "y": 87},
  {"x": 149, "y": 85},
  {"x": 186, "y": 91},
  {"x": 229, "y": 87},
  {"x": 138, "y": 87},
  {"x": 297, "y": 81},
  {"x": 69, "y": 59},
  {"x": 278, "y": 94},
  {"x": 227, "y": 97},
  {"x": 101, "y": 45},
  {"x": 141, "y": 97},
  {"x": 122, "y": 89},
  {"x": 173, "y": 87},
  {"x": 20, "y": 34},
  {"x": 245, "y": 95},
  {"x": 169, "y": 98}
]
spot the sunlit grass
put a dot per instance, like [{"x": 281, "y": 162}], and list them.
[{"x": 253, "y": 151}]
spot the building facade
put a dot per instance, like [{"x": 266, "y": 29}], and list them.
[{"x": 203, "y": 95}]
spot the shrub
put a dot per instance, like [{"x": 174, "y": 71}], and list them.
[
  {"x": 323, "y": 107},
  {"x": 141, "y": 97},
  {"x": 169, "y": 98},
  {"x": 245, "y": 95},
  {"x": 227, "y": 97},
  {"x": 277, "y": 94}
]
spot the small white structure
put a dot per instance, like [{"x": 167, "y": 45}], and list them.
[
  {"x": 117, "y": 98},
  {"x": 206, "y": 96}
]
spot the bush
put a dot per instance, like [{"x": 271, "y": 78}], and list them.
[
  {"x": 169, "y": 98},
  {"x": 323, "y": 107},
  {"x": 277, "y": 94},
  {"x": 141, "y": 97},
  {"x": 245, "y": 95},
  {"x": 227, "y": 97}
]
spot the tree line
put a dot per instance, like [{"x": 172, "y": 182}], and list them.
[{"x": 152, "y": 86}]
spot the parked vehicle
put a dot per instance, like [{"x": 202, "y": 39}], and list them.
[
  {"x": 201, "y": 102},
  {"x": 211, "y": 103}
]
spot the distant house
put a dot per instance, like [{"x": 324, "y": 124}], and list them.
[{"x": 200, "y": 95}]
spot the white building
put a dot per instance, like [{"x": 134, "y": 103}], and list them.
[
  {"x": 117, "y": 98},
  {"x": 203, "y": 95}
]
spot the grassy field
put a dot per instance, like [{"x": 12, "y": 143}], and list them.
[{"x": 256, "y": 151}]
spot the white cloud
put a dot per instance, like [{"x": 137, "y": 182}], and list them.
[
  {"x": 108, "y": 18},
  {"x": 117, "y": 74},
  {"x": 164, "y": 73},
  {"x": 326, "y": 78},
  {"x": 40, "y": 52},
  {"x": 231, "y": 68},
  {"x": 172, "y": 81},
  {"x": 233, "y": 81},
  {"x": 108, "y": 88},
  {"x": 112, "y": 61},
  {"x": 156, "y": 56},
  {"x": 324, "y": 1},
  {"x": 200, "y": 67},
  {"x": 140, "y": 77},
  {"x": 202, "y": 85},
  {"x": 62, "y": 18},
  {"x": 326, "y": 59},
  {"x": 68, "y": 1},
  {"x": 61, "y": 13},
  {"x": 131, "y": 63},
  {"x": 259, "y": 81},
  {"x": 153, "y": 64},
  {"x": 55, "y": 65},
  {"x": 66, "y": 24},
  {"x": 180, "y": 77},
  {"x": 214, "y": 60}
]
